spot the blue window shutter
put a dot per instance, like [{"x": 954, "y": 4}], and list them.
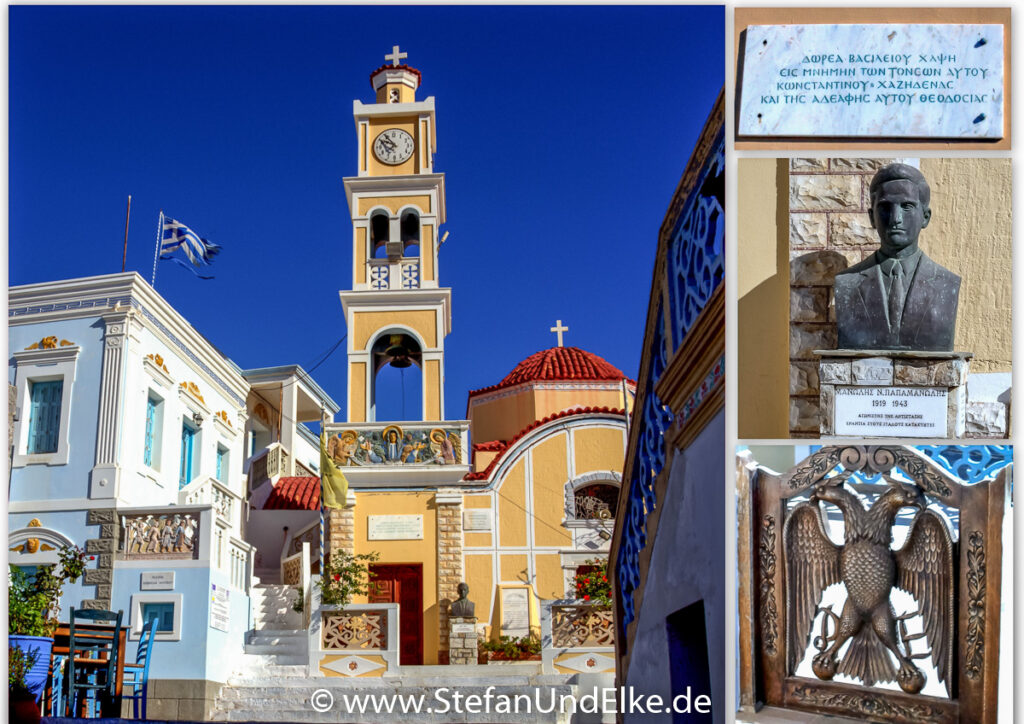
[
  {"x": 221, "y": 454},
  {"x": 44, "y": 416},
  {"x": 150, "y": 420},
  {"x": 187, "y": 438}
]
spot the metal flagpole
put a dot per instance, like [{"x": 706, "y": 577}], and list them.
[
  {"x": 156, "y": 252},
  {"x": 323, "y": 434},
  {"x": 127, "y": 216}
]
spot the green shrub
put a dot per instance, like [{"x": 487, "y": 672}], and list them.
[
  {"x": 345, "y": 576},
  {"x": 33, "y": 602},
  {"x": 513, "y": 648}
]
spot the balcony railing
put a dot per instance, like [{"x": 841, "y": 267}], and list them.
[
  {"x": 271, "y": 463},
  {"x": 215, "y": 493},
  {"x": 401, "y": 274}
]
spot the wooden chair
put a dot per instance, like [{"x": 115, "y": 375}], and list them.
[
  {"x": 136, "y": 676},
  {"x": 91, "y": 672}
]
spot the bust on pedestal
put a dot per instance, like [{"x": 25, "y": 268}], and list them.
[
  {"x": 462, "y": 635},
  {"x": 895, "y": 373}
]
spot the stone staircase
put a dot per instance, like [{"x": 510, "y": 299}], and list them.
[{"x": 272, "y": 682}]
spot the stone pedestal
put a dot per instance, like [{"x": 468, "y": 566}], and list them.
[
  {"x": 462, "y": 640},
  {"x": 893, "y": 393}
]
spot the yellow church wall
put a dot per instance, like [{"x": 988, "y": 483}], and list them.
[
  {"x": 512, "y": 507},
  {"x": 550, "y": 583},
  {"x": 477, "y": 540},
  {"x": 366, "y": 324},
  {"x": 549, "y": 402},
  {"x": 763, "y": 293},
  {"x": 477, "y": 502},
  {"x": 550, "y": 472},
  {"x": 405, "y": 93},
  {"x": 502, "y": 418},
  {"x": 970, "y": 233},
  {"x": 393, "y": 203},
  {"x": 598, "y": 449},
  {"x": 405, "y": 551},
  {"x": 357, "y": 392},
  {"x": 427, "y": 253},
  {"x": 513, "y": 568},
  {"x": 480, "y": 578},
  {"x": 410, "y": 166},
  {"x": 360, "y": 256},
  {"x": 432, "y": 378},
  {"x": 483, "y": 458}
]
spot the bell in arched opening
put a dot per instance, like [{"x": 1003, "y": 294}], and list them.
[{"x": 398, "y": 350}]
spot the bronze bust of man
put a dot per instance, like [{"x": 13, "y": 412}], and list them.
[
  {"x": 463, "y": 607},
  {"x": 897, "y": 298}
]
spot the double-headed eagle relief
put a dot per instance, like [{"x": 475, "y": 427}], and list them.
[{"x": 869, "y": 568}]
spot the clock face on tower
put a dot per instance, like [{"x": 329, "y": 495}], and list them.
[{"x": 393, "y": 146}]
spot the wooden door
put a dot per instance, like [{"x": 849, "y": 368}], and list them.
[{"x": 402, "y": 584}]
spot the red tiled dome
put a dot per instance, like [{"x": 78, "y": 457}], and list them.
[
  {"x": 295, "y": 494},
  {"x": 558, "y": 364}
]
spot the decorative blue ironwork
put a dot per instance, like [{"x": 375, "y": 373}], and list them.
[
  {"x": 695, "y": 252},
  {"x": 969, "y": 463},
  {"x": 648, "y": 461}
]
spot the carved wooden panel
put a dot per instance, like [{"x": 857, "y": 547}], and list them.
[
  {"x": 576, "y": 626},
  {"x": 867, "y": 600},
  {"x": 366, "y": 630}
]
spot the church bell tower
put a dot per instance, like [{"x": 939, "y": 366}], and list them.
[{"x": 396, "y": 313}]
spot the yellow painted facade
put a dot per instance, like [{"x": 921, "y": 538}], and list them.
[
  {"x": 366, "y": 324},
  {"x": 394, "y": 203},
  {"x": 501, "y": 415},
  {"x": 410, "y": 166}
]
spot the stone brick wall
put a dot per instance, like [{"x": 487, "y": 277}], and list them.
[
  {"x": 341, "y": 527},
  {"x": 463, "y": 647},
  {"x": 449, "y": 561},
  {"x": 829, "y": 230}
]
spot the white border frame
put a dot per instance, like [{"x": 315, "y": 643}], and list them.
[
  {"x": 135, "y": 615},
  {"x": 43, "y": 365}
]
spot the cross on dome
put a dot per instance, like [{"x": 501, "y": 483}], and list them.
[
  {"x": 558, "y": 329},
  {"x": 395, "y": 56}
]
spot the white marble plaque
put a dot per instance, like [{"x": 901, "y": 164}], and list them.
[
  {"x": 463, "y": 628},
  {"x": 515, "y": 612},
  {"x": 157, "y": 581},
  {"x": 478, "y": 519},
  {"x": 394, "y": 527},
  {"x": 888, "y": 81},
  {"x": 220, "y": 608},
  {"x": 891, "y": 411}
]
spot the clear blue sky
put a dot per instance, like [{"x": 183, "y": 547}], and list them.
[{"x": 562, "y": 133}]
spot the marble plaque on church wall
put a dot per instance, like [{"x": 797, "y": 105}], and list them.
[
  {"x": 515, "y": 612},
  {"x": 394, "y": 527},
  {"x": 891, "y": 411},
  {"x": 478, "y": 519},
  {"x": 885, "y": 81}
]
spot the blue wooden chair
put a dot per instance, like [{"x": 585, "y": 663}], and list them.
[
  {"x": 136, "y": 676},
  {"x": 85, "y": 681},
  {"x": 59, "y": 669}
]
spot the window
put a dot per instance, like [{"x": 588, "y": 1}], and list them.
[
  {"x": 154, "y": 430},
  {"x": 596, "y": 502},
  {"x": 166, "y": 608},
  {"x": 44, "y": 416},
  {"x": 222, "y": 463},
  {"x": 188, "y": 437},
  {"x": 162, "y": 612}
]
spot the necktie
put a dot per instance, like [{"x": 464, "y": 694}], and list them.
[{"x": 896, "y": 294}]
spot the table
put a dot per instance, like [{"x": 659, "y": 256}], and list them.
[{"x": 62, "y": 640}]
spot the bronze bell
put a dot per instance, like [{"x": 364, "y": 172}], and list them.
[{"x": 398, "y": 352}]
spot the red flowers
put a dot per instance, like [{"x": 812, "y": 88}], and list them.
[
  {"x": 92, "y": 558},
  {"x": 337, "y": 576},
  {"x": 586, "y": 598}
]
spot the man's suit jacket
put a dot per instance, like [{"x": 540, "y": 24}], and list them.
[{"x": 929, "y": 313}]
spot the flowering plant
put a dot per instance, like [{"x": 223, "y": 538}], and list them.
[
  {"x": 592, "y": 584},
  {"x": 345, "y": 575},
  {"x": 33, "y": 599}
]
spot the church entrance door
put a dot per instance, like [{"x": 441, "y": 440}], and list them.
[{"x": 402, "y": 584}]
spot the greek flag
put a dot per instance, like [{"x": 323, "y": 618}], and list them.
[{"x": 175, "y": 236}]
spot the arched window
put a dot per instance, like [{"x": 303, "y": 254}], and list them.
[
  {"x": 410, "y": 231},
  {"x": 380, "y": 233},
  {"x": 397, "y": 389},
  {"x": 596, "y": 501}
]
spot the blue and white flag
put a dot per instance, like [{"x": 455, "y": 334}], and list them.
[{"x": 175, "y": 236}]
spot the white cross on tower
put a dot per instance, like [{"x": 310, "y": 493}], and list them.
[
  {"x": 395, "y": 56},
  {"x": 558, "y": 329}
]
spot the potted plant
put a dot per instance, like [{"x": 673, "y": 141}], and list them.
[
  {"x": 33, "y": 607},
  {"x": 21, "y": 702},
  {"x": 592, "y": 584},
  {"x": 512, "y": 648},
  {"x": 345, "y": 575}
]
